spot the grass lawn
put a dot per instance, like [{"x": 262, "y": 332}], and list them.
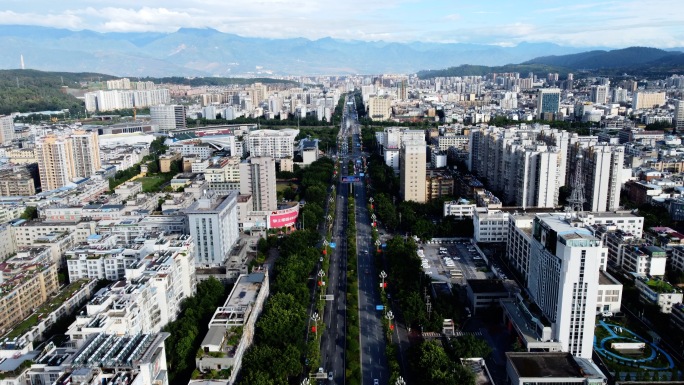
[{"x": 151, "y": 183}]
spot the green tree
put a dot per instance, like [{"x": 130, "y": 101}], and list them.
[
  {"x": 469, "y": 346},
  {"x": 30, "y": 212}
]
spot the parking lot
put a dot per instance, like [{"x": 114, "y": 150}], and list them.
[{"x": 453, "y": 262}]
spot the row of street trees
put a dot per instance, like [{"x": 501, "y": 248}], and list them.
[{"x": 279, "y": 354}]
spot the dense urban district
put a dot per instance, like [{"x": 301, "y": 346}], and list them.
[{"x": 507, "y": 228}]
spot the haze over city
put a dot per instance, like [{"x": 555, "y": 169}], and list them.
[{"x": 583, "y": 23}]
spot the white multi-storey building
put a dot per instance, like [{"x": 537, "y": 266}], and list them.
[
  {"x": 277, "y": 144},
  {"x": 102, "y": 257},
  {"x": 602, "y": 167},
  {"x": 563, "y": 278},
  {"x": 102, "y": 101},
  {"x": 168, "y": 117},
  {"x": 214, "y": 227},
  {"x": 459, "y": 209},
  {"x": 490, "y": 225}
]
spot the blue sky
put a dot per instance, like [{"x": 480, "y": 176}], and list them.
[{"x": 656, "y": 23}]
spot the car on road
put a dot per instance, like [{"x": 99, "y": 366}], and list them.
[
  {"x": 330, "y": 376},
  {"x": 376, "y": 381}
]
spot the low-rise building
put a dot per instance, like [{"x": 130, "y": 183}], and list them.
[
  {"x": 609, "y": 293},
  {"x": 485, "y": 293},
  {"x": 460, "y": 209},
  {"x": 658, "y": 292},
  {"x": 644, "y": 260},
  {"x": 490, "y": 225},
  {"x": 551, "y": 368},
  {"x": 231, "y": 329}
]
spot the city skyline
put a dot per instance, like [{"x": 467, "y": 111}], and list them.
[{"x": 581, "y": 24}]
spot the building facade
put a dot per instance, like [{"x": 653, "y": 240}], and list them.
[
  {"x": 258, "y": 178},
  {"x": 412, "y": 171},
  {"x": 168, "y": 117},
  {"x": 214, "y": 227}
]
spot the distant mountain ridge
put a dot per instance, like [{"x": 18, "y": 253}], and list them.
[
  {"x": 643, "y": 61},
  {"x": 208, "y": 52},
  {"x": 620, "y": 58}
]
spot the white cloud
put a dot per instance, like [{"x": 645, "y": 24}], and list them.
[{"x": 582, "y": 23}]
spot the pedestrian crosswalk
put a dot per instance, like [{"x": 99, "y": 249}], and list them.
[{"x": 456, "y": 334}]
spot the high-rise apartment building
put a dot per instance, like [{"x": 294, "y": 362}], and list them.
[
  {"x": 55, "y": 161},
  {"x": 379, "y": 107},
  {"x": 214, "y": 227},
  {"x": 124, "y": 99},
  {"x": 560, "y": 262},
  {"x": 679, "y": 115},
  {"x": 412, "y": 171},
  {"x": 641, "y": 100},
  {"x": 6, "y": 129},
  {"x": 548, "y": 103},
  {"x": 168, "y": 117},
  {"x": 619, "y": 95},
  {"x": 526, "y": 164},
  {"x": 86, "y": 150},
  {"x": 277, "y": 144},
  {"x": 535, "y": 175},
  {"x": 602, "y": 166},
  {"x": 258, "y": 178},
  {"x": 599, "y": 94},
  {"x": 62, "y": 158}
]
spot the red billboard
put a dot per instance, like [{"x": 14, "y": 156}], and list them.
[{"x": 283, "y": 218}]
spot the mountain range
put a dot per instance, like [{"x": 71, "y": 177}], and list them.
[
  {"x": 208, "y": 52},
  {"x": 636, "y": 61},
  {"x": 632, "y": 57}
]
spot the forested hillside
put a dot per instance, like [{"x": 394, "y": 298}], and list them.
[{"x": 31, "y": 90}]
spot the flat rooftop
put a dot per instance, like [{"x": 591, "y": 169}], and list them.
[
  {"x": 607, "y": 279},
  {"x": 486, "y": 285},
  {"x": 547, "y": 365},
  {"x": 245, "y": 291}
]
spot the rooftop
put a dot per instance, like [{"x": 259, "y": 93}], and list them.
[
  {"x": 486, "y": 285},
  {"x": 607, "y": 279},
  {"x": 547, "y": 365}
]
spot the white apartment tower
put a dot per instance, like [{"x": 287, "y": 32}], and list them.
[
  {"x": 277, "y": 144},
  {"x": 86, "y": 150},
  {"x": 602, "y": 166},
  {"x": 214, "y": 227},
  {"x": 412, "y": 171},
  {"x": 168, "y": 117},
  {"x": 258, "y": 179},
  {"x": 6, "y": 129},
  {"x": 563, "y": 279},
  {"x": 536, "y": 174}
]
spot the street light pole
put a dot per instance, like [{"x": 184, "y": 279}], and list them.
[
  {"x": 383, "y": 275},
  {"x": 315, "y": 317},
  {"x": 390, "y": 317}
]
